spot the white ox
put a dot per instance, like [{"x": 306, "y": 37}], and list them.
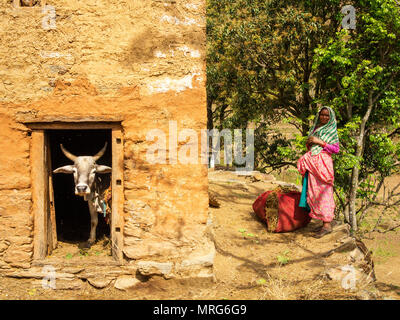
[
  {"x": 28, "y": 3},
  {"x": 87, "y": 184}
]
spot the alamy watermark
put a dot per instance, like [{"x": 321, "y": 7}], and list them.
[
  {"x": 234, "y": 150},
  {"x": 49, "y": 277},
  {"x": 49, "y": 20},
  {"x": 349, "y": 20},
  {"x": 349, "y": 280}
]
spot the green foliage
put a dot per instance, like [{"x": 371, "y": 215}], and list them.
[
  {"x": 249, "y": 235},
  {"x": 363, "y": 82},
  {"x": 259, "y": 59},
  {"x": 283, "y": 258},
  {"x": 270, "y": 61},
  {"x": 83, "y": 252}
]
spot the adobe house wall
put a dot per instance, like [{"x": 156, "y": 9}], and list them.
[{"x": 141, "y": 63}]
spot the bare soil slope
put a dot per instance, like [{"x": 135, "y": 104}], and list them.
[{"x": 250, "y": 263}]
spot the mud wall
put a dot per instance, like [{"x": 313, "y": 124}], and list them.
[{"x": 140, "y": 62}]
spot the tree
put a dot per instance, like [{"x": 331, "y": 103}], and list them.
[
  {"x": 272, "y": 61},
  {"x": 363, "y": 82},
  {"x": 259, "y": 68}
]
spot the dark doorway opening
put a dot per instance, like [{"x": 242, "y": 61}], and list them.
[{"x": 71, "y": 211}]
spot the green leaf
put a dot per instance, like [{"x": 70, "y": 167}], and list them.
[{"x": 282, "y": 259}]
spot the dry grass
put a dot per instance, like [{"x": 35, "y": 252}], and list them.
[
  {"x": 277, "y": 288},
  {"x": 272, "y": 219}
]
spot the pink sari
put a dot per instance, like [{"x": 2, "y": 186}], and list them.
[{"x": 320, "y": 184}]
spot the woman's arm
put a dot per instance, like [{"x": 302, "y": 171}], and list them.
[
  {"x": 332, "y": 148},
  {"x": 314, "y": 140}
]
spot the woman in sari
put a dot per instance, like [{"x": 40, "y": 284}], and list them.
[{"x": 316, "y": 166}]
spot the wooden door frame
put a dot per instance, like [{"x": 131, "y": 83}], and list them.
[{"x": 40, "y": 183}]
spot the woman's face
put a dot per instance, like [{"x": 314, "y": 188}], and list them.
[{"x": 324, "y": 117}]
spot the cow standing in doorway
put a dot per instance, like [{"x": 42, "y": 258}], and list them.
[
  {"x": 88, "y": 184},
  {"x": 28, "y": 3}
]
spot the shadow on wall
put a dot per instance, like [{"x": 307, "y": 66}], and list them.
[{"x": 146, "y": 43}]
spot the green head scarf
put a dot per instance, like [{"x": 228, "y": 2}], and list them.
[{"x": 327, "y": 132}]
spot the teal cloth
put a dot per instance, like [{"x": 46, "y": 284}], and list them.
[
  {"x": 303, "y": 198},
  {"x": 104, "y": 207}
]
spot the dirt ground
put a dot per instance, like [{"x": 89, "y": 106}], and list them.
[{"x": 250, "y": 263}]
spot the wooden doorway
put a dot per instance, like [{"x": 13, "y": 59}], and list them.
[{"x": 43, "y": 206}]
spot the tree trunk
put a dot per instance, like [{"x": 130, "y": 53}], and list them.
[
  {"x": 210, "y": 124},
  {"x": 347, "y": 214},
  {"x": 222, "y": 116},
  {"x": 356, "y": 170},
  {"x": 352, "y": 201}
]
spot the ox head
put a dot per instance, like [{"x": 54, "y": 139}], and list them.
[
  {"x": 28, "y": 3},
  {"x": 84, "y": 170}
]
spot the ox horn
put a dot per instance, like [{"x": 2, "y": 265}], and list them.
[
  {"x": 100, "y": 153},
  {"x": 68, "y": 154}
]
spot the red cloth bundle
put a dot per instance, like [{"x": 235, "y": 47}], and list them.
[{"x": 290, "y": 215}]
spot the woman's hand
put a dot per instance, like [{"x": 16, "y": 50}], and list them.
[{"x": 314, "y": 140}]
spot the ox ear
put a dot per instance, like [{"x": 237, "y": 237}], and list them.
[
  {"x": 103, "y": 169},
  {"x": 64, "y": 169}
]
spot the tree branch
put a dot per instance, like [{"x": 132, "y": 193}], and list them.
[
  {"x": 397, "y": 131},
  {"x": 387, "y": 86}
]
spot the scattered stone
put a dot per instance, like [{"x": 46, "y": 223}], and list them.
[
  {"x": 126, "y": 282},
  {"x": 256, "y": 176},
  {"x": 99, "y": 283},
  {"x": 204, "y": 261},
  {"x": 151, "y": 268},
  {"x": 212, "y": 200},
  {"x": 290, "y": 186}
]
